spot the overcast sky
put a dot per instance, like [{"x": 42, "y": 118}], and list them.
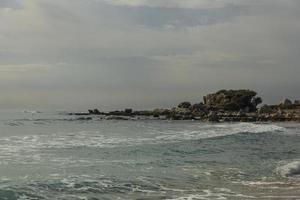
[{"x": 79, "y": 54}]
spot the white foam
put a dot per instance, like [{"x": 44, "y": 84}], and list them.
[
  {"x": 291, "y": 169},
  {"x": 261, "y": 183},
  {"x": 31, "y": 111},
  {"x": 28, "y": 148},
  {"x": 218, "y": 130},
  {"x": 218, "y": 193}
]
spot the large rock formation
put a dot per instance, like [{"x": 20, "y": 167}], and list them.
[
  {"x": 222, "y": 106},
  {"x": 233, "y": 100}
]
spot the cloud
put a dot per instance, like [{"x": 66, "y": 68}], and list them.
[
  {"x": 11, "y": 4},
  {"x": 22, "y": 68},
  {"x": 28, "y": 68},
  {"x": 119, "y": 52},
  {"x": 191, "y": 4},
  {"x": 174, "y": 18}
]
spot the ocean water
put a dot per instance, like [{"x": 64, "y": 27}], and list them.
[{"x": 53, "y": 156}]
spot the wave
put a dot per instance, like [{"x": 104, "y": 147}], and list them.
[
  {"x": 28, "y": 148},
  {"x": 99, "y": 186},
  {"x": 219, "y": 130},
  {"x": 31, "y": 111},
  {"x": 79, "y": 187},
  {"x": 217, "y": 193},
  {"x": 291, "y": 169}
]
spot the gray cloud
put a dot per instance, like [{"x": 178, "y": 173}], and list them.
[
  {"x": 10, "y": 3},
  {"x": 187, "y": 4},
  {"x": 115, "y": 54}
]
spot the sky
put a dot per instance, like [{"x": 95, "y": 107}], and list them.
[{"x": 114, "y": 54}]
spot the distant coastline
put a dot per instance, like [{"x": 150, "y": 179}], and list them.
[{"x": 222, "y": 106}]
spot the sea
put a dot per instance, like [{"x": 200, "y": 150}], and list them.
[{"x": 54, "y": 156}]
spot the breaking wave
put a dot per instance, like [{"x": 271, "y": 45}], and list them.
[
  {"x": 291, "y": 169},
  {"x": 219, "y": 130},
  {"x": 31, "y": 111},
  {"x": 20, "y": 148}
]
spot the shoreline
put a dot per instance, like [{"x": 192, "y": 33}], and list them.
[{"x": 222, "y": 106}]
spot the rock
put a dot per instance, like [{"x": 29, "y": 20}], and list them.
[
  {"x": 156, "y": 115},
  {"x": 232, "y": 100},
  {"x": 246, "y": 110},
  {"x": 198, "y": 114},
  {"x": 286, "y": 102},
  {"x": 265, "y": 109},
  {"x": 116, "y": 113},
  {"x": 84, "y": 118},
  {"x": 181, "y": 111},
  {"x": 256, "y": 101},
  {"x": 176, "y": 117},
  {"x": 241, "y": 113},
  {"x": 222, "y": 106},
  {"x": 128, "y": 111},
  {"x": 159, "y": 112},
  {"x": 96, "y": 112},
  {"x": 213, "y": 117},
  {"x": 113, "y": 117},
  {"x": 143, "y": 113},
  {"x": 185, "y": 105},
  {"x": 200, "y": 107}
]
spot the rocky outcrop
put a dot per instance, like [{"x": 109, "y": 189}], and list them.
[
  {"x": 94, "y": 112},
  {"x": 161, "y": 112},
  {"x": 222, "y": 106},
  {"x": 233, "y": 100}
]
